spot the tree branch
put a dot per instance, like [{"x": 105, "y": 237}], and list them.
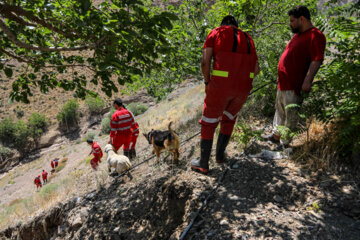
[
  {"x": 14, "y": 56},
  {"x": 19, "y": 11},
  {"x": 263, "y": 29},
  {"x": 15, "y": 18},
  {"x": 13, "y": 38}
]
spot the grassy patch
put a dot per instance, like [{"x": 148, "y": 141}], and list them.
[{"x": 11, "y": 182}]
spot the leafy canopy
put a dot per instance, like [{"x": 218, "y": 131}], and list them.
[{"x": 54, "y": 39}]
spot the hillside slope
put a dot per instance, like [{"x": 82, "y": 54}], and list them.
[{"x": 258, "y": 199}]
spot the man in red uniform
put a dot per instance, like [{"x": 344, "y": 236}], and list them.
[
  {"x": 227, "y": 87},
  {"x": 97, "y": 152},
  {"x": 52, "y": 166},
  {"x": 44, "y": 176},
  {"x": 121, "y": 127},
  {"x": 296, "y": 70},
  {"x": 37, "y": 182}
]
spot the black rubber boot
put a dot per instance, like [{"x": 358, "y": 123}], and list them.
[
  {"x": 127, "y": 154},
  {"x": 132, "y": 154},
  {"x": 221, "y": 144},
  {"x": 202, "y": 164}
]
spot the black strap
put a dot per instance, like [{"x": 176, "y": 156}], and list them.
[{"x": 236, "y": 41}]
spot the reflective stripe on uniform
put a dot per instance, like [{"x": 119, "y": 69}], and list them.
[
  {"x": 123, "y": 121},
  {"x": 123, "y": 116},
  {"x": 252, "y": 75},
  {"x": 120, "y": 129},
  {"x": 219, "y": 73},
  {"x": 210, "y": 120},
  {"x": 229, "y": 115}
]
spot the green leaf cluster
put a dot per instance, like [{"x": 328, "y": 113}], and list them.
[{"x": 95, "y": 105}]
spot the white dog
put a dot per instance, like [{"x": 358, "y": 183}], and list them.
[{"x": 119, "y": 162}]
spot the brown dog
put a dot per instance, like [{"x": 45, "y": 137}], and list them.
[{"x": 161, "y": 140}]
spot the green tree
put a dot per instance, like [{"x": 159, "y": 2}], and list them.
[
  {"x": 119, "y": 38},
  {"x": 37, "y": 124},
  {"x": 69, "y": 115}
]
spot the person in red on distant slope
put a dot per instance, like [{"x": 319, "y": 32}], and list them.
[
  {"x": 122, "y": 125},
  {"x": 37, "y": 182},
  {"x": 52, "y": 163},
  {"x": 97, "y": 152},
  {"x": 56, "y": 161},
  {"x": 44, "y": 176}
]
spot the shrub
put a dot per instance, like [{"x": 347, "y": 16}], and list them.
[
  {"x": 37, "y": 125},
  {"x": 5, "y": 152},
  {"x": 105, "y": 123},
  {"x": 95, "y": 105},
  {"x": 7, "y": 131},
  {"x": 91, "y": 135},
  {"x": 137, "y": 108},
  {"x": 68, "y": 116},
  {"x": 22, "y": 137}
]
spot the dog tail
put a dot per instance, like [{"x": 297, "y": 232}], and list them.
[{"x": 172, "y": 132}]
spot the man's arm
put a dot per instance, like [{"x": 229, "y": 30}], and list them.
[
  {"x": 313, "y": 69},
  {"x": 257, "y": 68},
  {"x": 206, "y": 63}
]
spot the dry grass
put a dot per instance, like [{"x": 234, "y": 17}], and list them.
[
  {"x": 179, "y": 110},
  {"x": 316, "y": 148}
]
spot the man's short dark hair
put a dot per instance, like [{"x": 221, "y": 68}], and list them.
[
  {"x": 229, "y": 20},
  {"x": 118, "y": 102},
  {"x": 89, "y": 140},
  {"x": 299, "y": 11}
]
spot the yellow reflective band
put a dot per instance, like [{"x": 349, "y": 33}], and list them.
[
  {"x": 220, "y": 73},
  {"x": 251, "y": 75}
]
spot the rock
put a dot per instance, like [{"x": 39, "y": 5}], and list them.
[
  {"x": 224, "y": 222},
  {"x": 235, "y": 166},
  {"x": 291, "y": 208},
  {"x": 117, "y": 229},
  {"x": 277, "y": 198},
  {"x": 212, "y": 233},
  {"x": 76, "y": 223}
]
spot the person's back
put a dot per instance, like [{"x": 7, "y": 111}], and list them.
[{"x": 227, "y": 86}]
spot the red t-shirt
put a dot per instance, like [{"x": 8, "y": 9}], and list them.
[
  {"x": 222, "y": 39},
  {"x": 294, "y": 63}
]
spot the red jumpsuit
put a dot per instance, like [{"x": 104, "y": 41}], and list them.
[
  {"x": 52, "y": 164},
  {"x": 98, "y": 154},
  {"x": 44, "y": 176},
  {"x": 134, "y": 136},
  {"x": 37, "y": 182},
  {"x": 231, "y": 80},
  {"x": 121, "y": 123}
]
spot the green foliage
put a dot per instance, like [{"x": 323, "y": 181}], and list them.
[
  {"x": 125, "y": 39},
  {"x": 69, "y": 115},
  {"x": 37, "y": 124},
  {"x": 7, "y": 131},
  {"x": 243, "y": 133},
  {"x": 15, "y": 134},
  {"x": 336, "y": 97},
  {"x": 48, "y": 190},
  {"x": 5, "y": 153},
  {"x": 95, "y": 105},
  {"x": 91, "y": 135},
  {"x": 137, "y": 108},
  {"x": 105, "y": 123}
]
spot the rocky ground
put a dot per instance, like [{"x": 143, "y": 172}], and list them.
[{"x": 260, "y": 197}]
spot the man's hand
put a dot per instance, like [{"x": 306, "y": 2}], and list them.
[{"x": 306, "y": 87}]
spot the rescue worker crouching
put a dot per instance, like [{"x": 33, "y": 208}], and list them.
[
  {"x": 97, "y": 152},
  {"x": 122, "y": 125},
  {"x": 235, "y": 64}
]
